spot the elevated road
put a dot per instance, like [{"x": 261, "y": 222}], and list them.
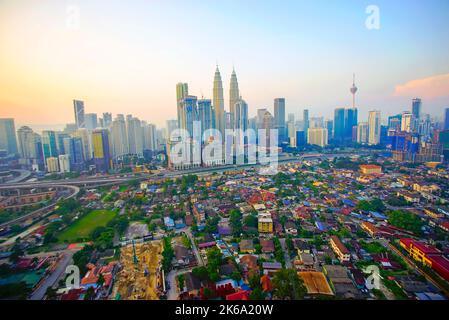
[
  {"x": 42, "y": 211},
  {"x": 103, "y": 180}
]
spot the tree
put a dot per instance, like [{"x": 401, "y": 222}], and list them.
[
  {"x": 236, "y": 276},
  {"x": 250, "y": 221},
  {"x": 236, "y": 222},
  {"x": 288, "y": 285},
  {"x": 257, "y": 294},
  {"x": 405, "y": 220},
  {"x": 16, "y": 254},
  {"x": 200, "y": 272},
  {"x": 100, "y": 280}
]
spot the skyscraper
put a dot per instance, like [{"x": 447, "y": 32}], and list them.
[
  {"x": 28, "y": 140},
  {"x": 149, "y": 137},
  {"x": 317, "y": 136},
  {"x": 182, "y": 91},
  {"x": 260, "y": 115},
  {"x": 279, "y": 118},
  {"x": 374, "y": 127},
  {"x": 416, "y": 108},
  {"x": 394, "y": 122},
  {"x": 218, "y": 103},
  {"x": 350, "y": 122},
  {"x": 205, "y": 114},
  {"x": 190, "y": 111},
  {"x": 49, "y": 144},
  {"x": 8, "y": 139},
  {"x": 329, "y": 125},
  {"x": 339, "y": 124},
  {"x": 101, "y": 149},
  {"x": 362, "y": 132},
  {"x": 171, "y": 126},
  {"x": 86, "y": 139},
  {"x": 74, "y": 149},
  {"x": 107, "y": 119},
  {"x": 135, "y": 135},
  {"x": 407, "y": 121},
  {"x": 119, "y": 137},
  {"x": 78, "y": 107},
  {"x": 241, "y": 115},
  {"x": 64, "y": 163},
  {"x": 90, "y": 121},
  {"x": 234, "y": 96},
  {"x": 305, "y": 119},
  {"x": 446, "y": 119}
]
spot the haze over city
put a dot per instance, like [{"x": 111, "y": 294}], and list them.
[{"x": 120, "y": 58}]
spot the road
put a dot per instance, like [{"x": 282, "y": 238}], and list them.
[
  {"x": 111, "y": 179},
  {"x": 288, "y": 262},
  {"x": 172, "y": 293},
  {"x": 187, "y": 231},
  {"x": 42, "y": 211},
  {"x": 25, "y": 233},
  {"x": 53, "y": 278}
]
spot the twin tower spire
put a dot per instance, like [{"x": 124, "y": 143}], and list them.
[{"x": 218, "y": 101}]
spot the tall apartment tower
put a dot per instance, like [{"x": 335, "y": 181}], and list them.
[
  {"x": 374, "y": 127},
  {"x": 218, "y": 102},
  {"x": 182, "y": 91}
]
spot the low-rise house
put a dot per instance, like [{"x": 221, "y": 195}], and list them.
[
  {"x": 267, "y": 246},
  {"x": 246, "y": 246}
]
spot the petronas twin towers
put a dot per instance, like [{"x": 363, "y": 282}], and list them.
[
  {"x": 213, "y": 112},
  {"x": 218, "y": 101}
]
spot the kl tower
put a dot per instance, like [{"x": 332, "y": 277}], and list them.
[{"x": 353, "y": 90}]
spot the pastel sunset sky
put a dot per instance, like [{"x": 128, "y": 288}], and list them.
[{"x": 127, "y": 56}]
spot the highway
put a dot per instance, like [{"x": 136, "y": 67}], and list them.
[
  {"x": 52, "y": 279},
  {"x": 42, "y": 211},
  {"x": 170, "y": 174}
]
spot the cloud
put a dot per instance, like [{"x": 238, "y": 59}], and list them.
[{"x": 429, "y": 88}]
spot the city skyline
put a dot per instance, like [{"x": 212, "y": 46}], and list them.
[{"x": 111, "y": 78}]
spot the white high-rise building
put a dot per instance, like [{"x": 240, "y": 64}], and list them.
[
  {"x": 149, "y": 137},
  {"x": 64, "y": 163},
  {"x": 27, "y": 143},
  {"x": 218, "y": 103},
  {"x": 374, "y": 127},
  {"x": 317, "y": 136},
  {"x": 362, "y": 132},
  {"x": 119, "y": 137},
  {"x": 52, "y": 164},
  {"x": 135, "y": 135},
  {"x": 234, "y": 97},
  {"x": 407, "y": 121}
]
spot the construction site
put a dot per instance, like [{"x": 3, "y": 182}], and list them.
[{"x": 140, "y": 277}]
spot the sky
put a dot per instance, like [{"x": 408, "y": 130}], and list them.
[{"x": 127, "y": 56}]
